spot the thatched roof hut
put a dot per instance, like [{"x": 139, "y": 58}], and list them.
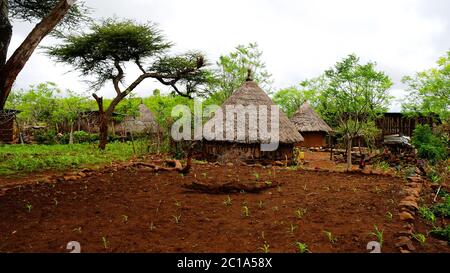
[
  {"x": 145, "y": 122},
  {"x": 249, "y": 147},
  {"x": 311, "y": 126}
]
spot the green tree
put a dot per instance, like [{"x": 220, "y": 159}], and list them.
[
  {"x": 38, "y": 103},
  {"x": 111, "y": 45},
  {"x": 68, "y": 109},
  {"x": 429, "y": 91},
  {"x": 356, "y": 95},
  {"x": 232, "y": 71},
  {"x": 49, "y": 14},
  {"x": 290, "y": 99}
]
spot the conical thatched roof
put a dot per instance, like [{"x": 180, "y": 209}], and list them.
[
  {"x": 307, "y": 120},
  {"x": 144, "y": 122},
  {"x": 250, "y": 94}
]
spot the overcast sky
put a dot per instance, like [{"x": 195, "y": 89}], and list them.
[{"x": 300, "y": 39}]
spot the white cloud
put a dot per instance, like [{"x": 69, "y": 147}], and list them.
[{"x": 300, "y": 39}]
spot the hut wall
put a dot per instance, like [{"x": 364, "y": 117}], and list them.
[
  {"x": 229, "y": 152},
  {"x": 314, "y": 139},
  {"x": 397, "y": 123},
  {"x": 8, "y": 131}
]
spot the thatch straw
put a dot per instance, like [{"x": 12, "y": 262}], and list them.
[
  {"x": 144, "y": 122},
  {"x": 250, "y": 94},
  {"x": 307, "y": 120}
]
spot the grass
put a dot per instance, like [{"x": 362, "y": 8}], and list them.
[
  {"x": 265, "y": 248},
  {"x": 300, "y": 212},
  {"x": 427, "y": 214},
  {"x": 228, "y": 202},
  {"x": 419, "y": 237},
  {"x": 17, "y": 159}
]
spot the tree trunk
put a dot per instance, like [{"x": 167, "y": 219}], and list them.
[
  {"x": 11, "y": 69},
  {"x": 349, "y": 153},
  {"x": 71, "y": 134},
  {"x": 5, "y": 31},
  {"x": 103, "y": 126}
]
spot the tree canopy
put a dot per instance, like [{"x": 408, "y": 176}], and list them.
[
  {"x": 232, "y": 71},
  {"x": 429, "y": 91}
]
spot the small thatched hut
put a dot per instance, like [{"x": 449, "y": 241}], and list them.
[
  {"x": 249, "y": 149},
  {"x": 9, "y": 128},
  {"x": 312, "y": 127},
  {"x": 144, "y": 122}
]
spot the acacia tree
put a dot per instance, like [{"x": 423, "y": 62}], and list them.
[
  {"x": 429, "y": 91},
  {"x": 356, "y": 95},
  {"x": 111, "y": 45},
  {"x": 49, "y": 14}
]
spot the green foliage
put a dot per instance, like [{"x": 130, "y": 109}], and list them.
[
  {"x": 419, "y": 237},
  {"x": 355, "y": 95},
  {"x": 427, "y": 214},
  {"x": 33, "y": 10},
  {"x": 232, "y": 71},
  {"x": 378, "y": 234},
  {"x": 442, "y": 233},
  {"x": 429, "y": 91},
  {"x": 31, "y": 158},
  {"x": 302, "y": 247},
  {"x": 429, "y": 145},
  {"x": 290, "y": 99},
  {"x": 442, "y": 209}
]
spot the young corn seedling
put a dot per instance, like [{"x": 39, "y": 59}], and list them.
[
  {"x": 265, "y": 248},
  {"x": 205, "y": 175},
  {"x": 389, "y": 216},
  {"x": 55, "y": 201},
  {"x": 152, "y": 226},
  {"x": 268, "y": 183},
  {"x": 378, "y": 234},
  {"x": 105, "y": 242},
  {"x": 29, "y": 207},
  {"x": 419, "y": 237},
  {"x": 302, "y": 247},
  {"x": 257, "y": 176},
  {"x": 178, "y": 204},
  {"x": 228, "y": 202},
  {"x": 125, "y": 219},
  {"x": 305, "y": 188},
  {"x": 245, "y": 211},
  {"x": 292, "y": 229},
  {"x": 260, "y": 204},
  {"x": 78, "y": 230},
  {"x": 177, "y": 219},
  {"x": 300, "y": 213},
  {"x": 330, "y": 237}
]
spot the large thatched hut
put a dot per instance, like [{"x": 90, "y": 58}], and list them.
[
  {"x": 312, "y": 127},
  {"x": 249, "y": 148}
]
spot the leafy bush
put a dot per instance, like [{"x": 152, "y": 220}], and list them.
[
  {"x": 442, "y": 209},
  {"x": 429, "y": 145},
  {"x": 45, "y": 136},
  {"x": 442, "y": 233}
]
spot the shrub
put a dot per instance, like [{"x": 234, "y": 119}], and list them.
[
  {"x": 45, "y": 136},
  {"x": 442, "y": 233},
  {"x": 429, "y": 145}
]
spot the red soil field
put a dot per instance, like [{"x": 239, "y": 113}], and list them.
[{"x": 135, "y": 210}]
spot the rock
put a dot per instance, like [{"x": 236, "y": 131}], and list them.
[
  {"x": 230, "y": 164},
  {"x": 404, "y": 250},
  {"x": 410, "y": 198},
  {"x": 416, "y": 179},
  {"x": 405, "y": 242},
  {"x": 412, "y": 192},
  {"x": 406, "y": 216},
  {"x": 416, "y": 186},
  {"x": 409, "y": 204},
  {"x": 71, "y": 178},
  {"x": 82, "y": 174}
]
